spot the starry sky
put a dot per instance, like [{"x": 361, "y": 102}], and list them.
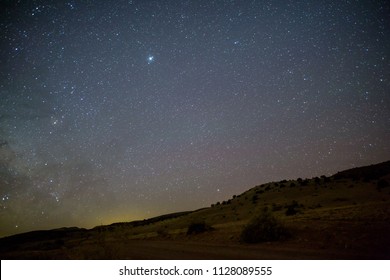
[{"x": 121, "y": 110}]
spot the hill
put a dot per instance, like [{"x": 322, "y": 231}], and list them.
[{"x": 344, "y": 216}]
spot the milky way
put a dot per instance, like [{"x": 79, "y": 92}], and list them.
[{"x": 122, "y": 110}]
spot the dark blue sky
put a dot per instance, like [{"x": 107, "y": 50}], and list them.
[{"x": 121, "y": 110}]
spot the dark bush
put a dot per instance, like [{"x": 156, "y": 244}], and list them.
[
  {"x": 162, "y": 232},
  {"x": 255, "y": 198},
  {"x": 291, "y": 211},
  {"x": 327, "y": 179},
  {"x": 304, "y": 182},
  {"x": 198, "y": 227},
  {"x": 276, "y": 207},
  {"x": 367, "y": 178},
  {"x": 382, "y": 183},
  {"x": 292, "y": 208},
  {"x": 263, "y": 228}
]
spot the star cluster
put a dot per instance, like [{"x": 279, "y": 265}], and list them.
[{"x": 121, "y": 110}]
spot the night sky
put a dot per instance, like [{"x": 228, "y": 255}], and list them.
[{"x": 121, "y": 110}]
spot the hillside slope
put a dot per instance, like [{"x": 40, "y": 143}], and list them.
[{"x": 343, "y": 216}]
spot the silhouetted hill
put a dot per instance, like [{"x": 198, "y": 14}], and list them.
[
  {"x": 366, "y": 173},
  {"x": 143, "y": 222},
  {"x": 16, "y": 240}
]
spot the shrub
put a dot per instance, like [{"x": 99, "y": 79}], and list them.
[
  {"x": 263, "y": 228},
  {"x": 198, "y": 227},
  {"x": 162, "y": 232},
  {"x": 367, "y": 179},
  {"x": 292, "y": 208},
  {"x": 327, "y": 179},
  {"x": 291, "y": 211},
  {"x": 382, "y": 183},
  {"x": 276, "y": 207},
  {"x": 255, "y": 198},
  {"x": 304, "y": 182}
]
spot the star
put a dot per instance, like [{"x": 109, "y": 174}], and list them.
[{"x": 150, "y": 59}]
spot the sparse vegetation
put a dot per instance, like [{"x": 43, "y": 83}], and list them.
[{"x": 263, "y": 228}]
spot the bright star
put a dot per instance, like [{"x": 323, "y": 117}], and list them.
[{"x": 150, "y": 59}]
